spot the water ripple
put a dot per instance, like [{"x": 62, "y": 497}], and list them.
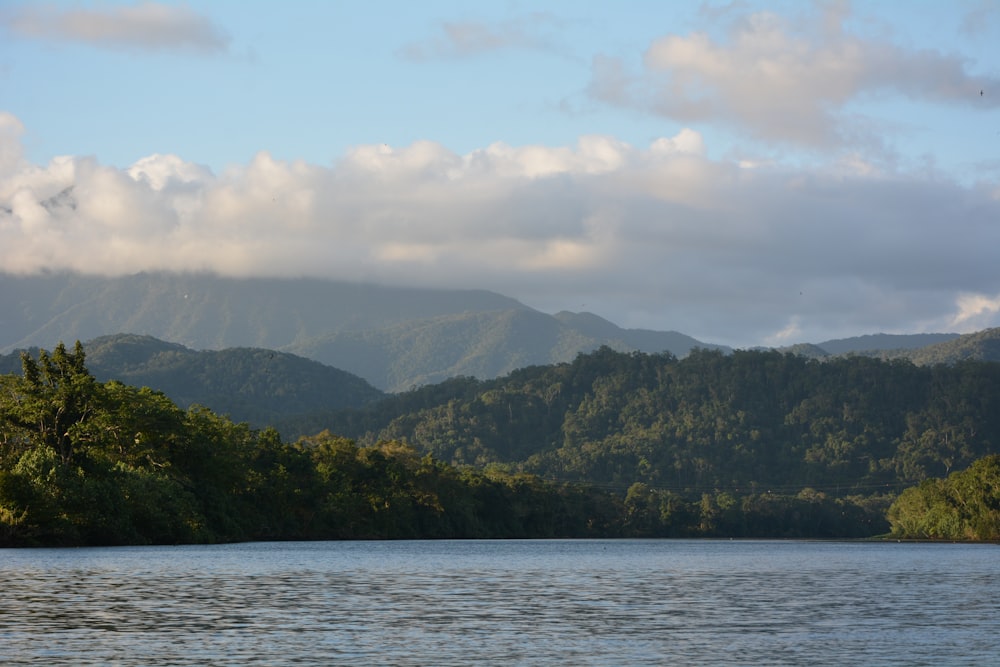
[{"x": 525, "y": 603}]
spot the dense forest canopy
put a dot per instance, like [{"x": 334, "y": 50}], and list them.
[
  {"x": 84, "y": 462},
  {"x": 749, "y": 421},
  {"x": 757, "y": 444},
  {"x": 964, "y": 506}
]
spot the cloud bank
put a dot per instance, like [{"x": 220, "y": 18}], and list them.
[
  {"x": 658, "y": 236},
  {"x": 148, "y": 26}
]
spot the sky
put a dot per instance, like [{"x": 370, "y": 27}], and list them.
[{"x": 747, "y": 173}]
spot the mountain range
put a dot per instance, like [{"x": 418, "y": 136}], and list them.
[
  {"x": 203, "y": 338},
  {"x": 395, "y": 338}
]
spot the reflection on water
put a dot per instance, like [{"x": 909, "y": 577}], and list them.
[{"x": 635, "y": 602}]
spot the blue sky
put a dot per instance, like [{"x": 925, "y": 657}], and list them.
[{"x": 744, "y": 172}]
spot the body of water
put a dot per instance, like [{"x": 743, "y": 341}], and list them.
[{"x": 572, "y": 602}]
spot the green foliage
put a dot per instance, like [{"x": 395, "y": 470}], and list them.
[
  {"x": 981, "y": 345},
  {"x": 963, "y": 506},
  {"x": 753, "y": 444},
  {"x": 84, "y": 462},
  {"x": 55, "y": 398},
  {"x": 248, "y": 384},
  {"x": 761, "y": 426},
  {"x": 748, "y": 422}
]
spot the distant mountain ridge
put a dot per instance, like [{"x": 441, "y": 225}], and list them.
[
  {"x": 479, "y": 344},
  {"x": 395, "y": 338},
  {"x": 979, "y": 346},
  {"x": 872, "y": 342},
  {"x": 205, "y": 311},
  {"x": 921, "y": 349}
]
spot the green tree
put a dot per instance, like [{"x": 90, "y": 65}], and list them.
[
  {"x": 52, "y": 400},
  {"x": 963, "y": 506}
]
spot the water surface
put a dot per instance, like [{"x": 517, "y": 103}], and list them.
[{"x": 573, "y": 602}]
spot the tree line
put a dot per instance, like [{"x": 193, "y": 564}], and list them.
[
  {"x": 611, "y": 445},
  {"x": 85, "y": 462},
  {"x": 745, "y": 423}
]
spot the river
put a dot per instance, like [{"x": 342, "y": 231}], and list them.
[{"x": 558, "y": 602}]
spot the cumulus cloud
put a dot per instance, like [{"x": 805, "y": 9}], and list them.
[
  {"x": 782, "y": 79},
  {"x": 975, "y": 311},
  {"x": 459, "y": 39},
  {"x": 147, "y": 26},
  {"x": 657, "y": 236}
]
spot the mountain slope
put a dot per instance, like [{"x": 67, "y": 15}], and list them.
[
  {"x": 980, "y": 346},
  {"x": 251, "y": 385},
  {"x": 872, "y": 342},
  {"x": 479, "y": 344},
  {"x": 707, "y": 422},
  {"x": 641, "y": 340},
  {"x": 921, "y": 349},
  {"x": 203, "y": 311},
  {"x": 393, "y": 337},
  {"x": 427, "y": 351}
]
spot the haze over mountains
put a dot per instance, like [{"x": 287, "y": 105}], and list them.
[{"x": 393, "y": 338}]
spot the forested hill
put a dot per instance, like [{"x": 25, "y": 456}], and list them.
[
  {"x": 478, "y": 344},
  {"x": 921, "y": 349},
  {"x": 749, "y": 421},
  {"x": 753, "y": 444},
  {"x": 872, "y": 342},
  {"x": 979, "y": 346},
  {"x": 250, "y": 385}
]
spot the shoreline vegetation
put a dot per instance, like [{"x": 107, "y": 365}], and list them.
[{"x": 84, "y": 462}]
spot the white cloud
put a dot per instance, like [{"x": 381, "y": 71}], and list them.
[
  {"x": 687, "y": 141},
  {"x": 784, "y": 80},
  {"x": 974, "y": 312},
  {"x": 789, "y": 335},
  {"x": 147, "y": 26},
  {"x": 660, "y": 236},
  {"x": 163, "y": 171},
  {"x": 592, "y": 155}
]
